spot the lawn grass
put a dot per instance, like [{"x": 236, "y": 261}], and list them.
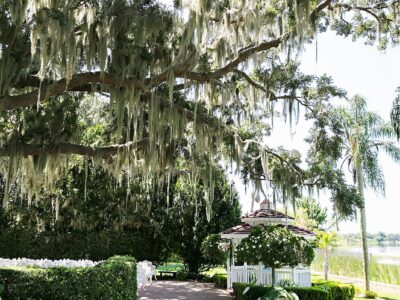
[
  {"x": 213, "y": 271},
  {"x": 382, "y": 296}
]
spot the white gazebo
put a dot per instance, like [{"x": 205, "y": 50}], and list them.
[{"x": 262, "y": 275}]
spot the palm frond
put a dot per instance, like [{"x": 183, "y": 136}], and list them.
[
  {"x": 393, "y": 151},
  {"x": 383, "y": 130},
  {"x": 373, "y": 173},
  {"x": 395, "y": 114}
]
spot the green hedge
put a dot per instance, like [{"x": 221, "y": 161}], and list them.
[
  {"x": 113, "y": 279},
  {"x": 220, "y": 280},
  {"x": 337, "y": 291},
  {"x": 256, "y": 291}
]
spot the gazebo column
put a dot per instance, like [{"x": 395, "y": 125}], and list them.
[
  {"x": 231, "y": 261},
  {"x": 228, "y": 271}
]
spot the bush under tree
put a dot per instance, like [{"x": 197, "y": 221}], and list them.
[{"x": 275, "y": 247}]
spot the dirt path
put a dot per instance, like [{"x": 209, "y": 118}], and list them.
[{"x": 181, "y": 290}]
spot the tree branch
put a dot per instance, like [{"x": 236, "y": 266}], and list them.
[
  {"x": 49, "y": 88},
  {"x": 67, "y": 148},
  {"x": 319, "y": 8},
  {"x": 251, "y": 81}
]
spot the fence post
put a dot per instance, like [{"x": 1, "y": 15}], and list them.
[
  {"x": 293, "y": 279},
  {"x": 246, "y": 273},
  {"x": 259, "y": 273}
]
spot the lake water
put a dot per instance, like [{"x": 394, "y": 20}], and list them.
[{"x": 383, "y": 254}]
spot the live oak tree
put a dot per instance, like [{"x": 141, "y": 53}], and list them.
[
  {"x": 192, "y": 73},
  {"x": 104, "y": 217}
]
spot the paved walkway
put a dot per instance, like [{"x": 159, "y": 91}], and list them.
[{"x": 181, "y": 290}]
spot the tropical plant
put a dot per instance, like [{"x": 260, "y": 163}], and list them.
[
  {"x": 364, "y": 134},
  {"x": 395, "y": 113},
  {"x": 275, "y": 247},
  {"x": 327, "y": 241},
  {"x": 279, "y": 293}
]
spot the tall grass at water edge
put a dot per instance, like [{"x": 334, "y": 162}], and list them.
[{"x": 352, "y": 266}]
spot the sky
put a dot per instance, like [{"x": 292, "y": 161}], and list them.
[{"x": 362, "y": 70}]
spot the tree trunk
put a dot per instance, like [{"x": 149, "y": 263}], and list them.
[
  {"x": 363, "y": 220},
  {"x": 326, "y": 265},
  {"x": 273, "y": 276}
]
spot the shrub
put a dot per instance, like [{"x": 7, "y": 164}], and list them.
[
  {"x": 276, "y": 247},
  {"x": 279, "y": 293},
  {"x": 220, "y": 280},
  {"x": 211, "y": 250},
  {"x": 309, "y": 293},
  {"x": 113, "y": 279},
  {"x": 1, "y": 290},
  {"x": 205, "y": 278},
  {"x": 256, "y": 291},
  {"x": 371, "y": 295},
  {"x": 182, "y": 274},
  {"x": 336, "y": 290}
]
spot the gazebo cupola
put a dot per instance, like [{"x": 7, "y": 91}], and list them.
[{"x": 266, "y": 215}]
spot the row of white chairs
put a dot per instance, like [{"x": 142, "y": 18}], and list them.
[
  {"x": 46, "y": 263},
  {"x": 146, "y": 271}
]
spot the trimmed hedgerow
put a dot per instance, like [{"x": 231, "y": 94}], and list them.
[
  {"x": 256, "y": 291},
  {"x": 220, "y": 280},
  {"x": 336, "y": 290},
  {"x": 113, "y": 279}
]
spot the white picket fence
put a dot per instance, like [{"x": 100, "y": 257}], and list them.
[{"x": 261, "y": 275}]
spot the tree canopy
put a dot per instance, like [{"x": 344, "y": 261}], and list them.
[
  {"x": 173, "y": 82},
  {"x": 102, "y": 218}
]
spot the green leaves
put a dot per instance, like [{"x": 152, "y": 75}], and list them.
[
  {"x": 115, "y": 278},
  {"x": 395, "y": 114},
  {"x": 275, "y": 247},
  {"x": 212, "y": 250}
]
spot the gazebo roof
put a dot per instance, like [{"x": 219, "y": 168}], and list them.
[
  {"x": 266, "y": 213},
  {"x": 244, "y": 229}
]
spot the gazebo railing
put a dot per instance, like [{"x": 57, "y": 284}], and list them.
[{"x": 261, "y": 275}]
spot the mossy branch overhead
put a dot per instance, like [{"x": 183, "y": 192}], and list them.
[
  {"x": 152, "y": 85},
  {"x": 66, "y": 148}
]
